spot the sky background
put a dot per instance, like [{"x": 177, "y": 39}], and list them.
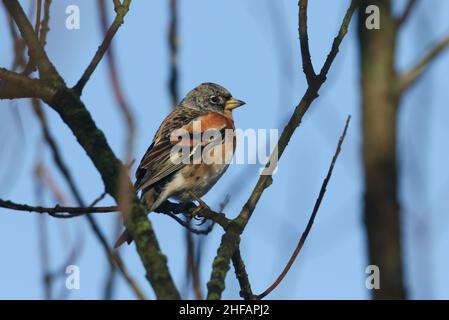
[{"x": 251, "y": 47}]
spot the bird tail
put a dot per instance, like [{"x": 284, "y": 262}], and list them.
[{"x": 149, "y": 199}]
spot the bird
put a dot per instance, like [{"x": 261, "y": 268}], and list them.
[{"x": 202, "y": 123}]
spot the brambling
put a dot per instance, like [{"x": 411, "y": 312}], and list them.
[{"x": 203, "y": 125}]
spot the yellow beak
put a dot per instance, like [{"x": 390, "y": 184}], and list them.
[{"x": 233, "y": 103}]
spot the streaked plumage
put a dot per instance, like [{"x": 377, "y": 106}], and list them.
[{"x": 159, "y": 177}]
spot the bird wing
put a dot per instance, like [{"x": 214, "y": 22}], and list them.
[{"x": 158, "y": 162}]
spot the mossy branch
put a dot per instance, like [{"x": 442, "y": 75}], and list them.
[
  {"x": 71, "y": 109},
  {"x": 231, "y": 239}
]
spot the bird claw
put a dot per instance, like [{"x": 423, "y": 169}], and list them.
[
  {"x": 201, "y": 220},
  {"x": 197, "y": 210}
]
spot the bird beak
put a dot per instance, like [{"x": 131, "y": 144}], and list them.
[{"x": 233, "y": 103}]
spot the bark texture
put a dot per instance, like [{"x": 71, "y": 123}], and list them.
[{"x": 380, "y": 100}]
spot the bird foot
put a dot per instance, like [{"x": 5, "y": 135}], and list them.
[{"x": 197, "y": 210}]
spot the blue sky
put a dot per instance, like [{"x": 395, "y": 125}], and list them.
[{"x": 250, "y": 47}]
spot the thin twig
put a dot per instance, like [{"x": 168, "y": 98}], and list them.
[
  {"x": 37, "y": 53},
  {"x": 59, "y": 211},
  {"x": 173, "y": 44},
  {"x": 231, "y": 239},
  {"x": 75, "y": 115},
  {"x": 43, "y": 179},
  {"x": 31, "y": 65},
  {"x": 19, "y": 46},
  {"x": 406, "y": 13},
  {"x": 193, "y": 255},
  {"x": 410, "y": 77},
  {"x": 125, "y": 191},
  {"x": 45, "y": 24},
  {"x": 122, "y": 10},
  {"x": 44, "y": 250},
  {"x": 70, "y": 181},
  {"x": 75, "y": 211},
  {"x": 312, "y": 216}
]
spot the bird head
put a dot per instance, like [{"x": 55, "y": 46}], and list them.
[{"x": 210, "y": 97}]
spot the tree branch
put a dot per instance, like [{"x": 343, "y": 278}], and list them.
[
  {"x": 408, "y": 9},
  {"x": 410, "y": 77},
  {"x": 70, "y": 108},
  {"x": 37, "y": 53},
  {"x": 63, "y": 168},
  {"x": 173, "y": 44},
  {"x": 15, "y": 85},
  {"x": 45, "y": 24},
  {"x": 64, "y": 212},
  {"x": 122, "y": 10},
  {"x": 231, "y": 239},
  {"x": 306, "y": 232},
  {"x": 304, "y": 42},
  {"x": 242, "y": 276},
  {"x": 56, "y": 210}
]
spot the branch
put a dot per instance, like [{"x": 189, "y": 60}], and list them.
[
  {"x": 15, "y": 85},
  {"x": 306, "y": 232},
  {"x": 242, "y": 276},
  {"x": 193, "y": 258},
  {"x": 337, "y": 40},
  {"x": 304, "y": 42},
  {"x": 122, "y": 10},
  {"x": 45, "y": 24},
  {"x": 56, "y": 210},
  {"x": 63, "y": 168},
  {"x": 408, "y": 9},
  {"x": 37, "y": 53},
  {"x": 31, "y": 66},
  {"x": 410, "y": 77},
  {"x": 124, "y": 202},
  {"x": 168, "y": 208},
  {"x": 173, "y": 44},
  {"x": 231, "y": 239},
  {"x": 73, "y": 112}
]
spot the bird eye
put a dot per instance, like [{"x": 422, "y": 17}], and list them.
[{"x": 214, "y": 99}]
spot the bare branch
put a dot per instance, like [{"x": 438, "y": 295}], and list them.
[
  {"x": 168, "y": 208},
  {"x": 408, "y": 9},
  {"x": 193, "y": 256},
  {"x": 54, "y": 211},
  {"x": 111, "y": 256},
  {"x": 45, "y": 24},
  {"x": 15, "y": 85},
  {"x": 173, "y": 44},
  {"x": 31, "y": 66},
  {"x": 410, "y": 77},
  {"x": 242, "y": 276},
  {"x": 74, "y": 113},
  {"x": 33, "y": 89},
  {"x": 338, "y": 39},
  {"x": 231, "y": 239},
  {"x": 306, "y": 232},
  {"x": 46, "y": 69},
  {"x": 122, "y": 10},
  {"x": 304, "y": 42},
  {"x": 125, "y": 201}
]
